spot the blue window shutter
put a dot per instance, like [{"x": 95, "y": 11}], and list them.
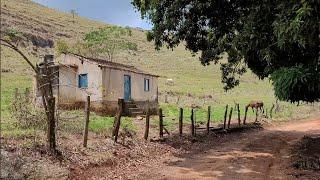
[{"x": 83, "y": 80}]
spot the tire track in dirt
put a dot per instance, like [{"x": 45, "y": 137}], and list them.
[{"x": 251, "y": 155}]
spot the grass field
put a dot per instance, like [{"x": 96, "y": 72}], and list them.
[{"x": 189, "y": 76}]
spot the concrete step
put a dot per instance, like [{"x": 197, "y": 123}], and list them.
[
  {"x": 131, "y": 106},
  {"x": 136, "y": 113}
]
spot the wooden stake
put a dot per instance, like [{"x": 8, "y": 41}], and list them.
[
  {"x": 16, "y": 94},
  {"x": 117, "y": 119},
  {"x": 271, "y": 110},
  {"x": 180, "y": 121},
  {"x": 208, "y": 119},
  {"x": 86, "y": 122},
  {"x": 146, "y": 132},
  {"x": 230, "y": 116},
  {"x": 166, "y": 130},
  {"x": 51, "y": 125},
  {"x": 165, "y": 98},
  {"x": 192, "y": 123},
  {"x": 245, "y": 115},
  {"x": 160, "y": 124},
  {"x": 266, "y": 113},
  {"x": 27, "y": 94},
  {"x": 238, "y": 109},
  {"x": 225, "y": 117}
]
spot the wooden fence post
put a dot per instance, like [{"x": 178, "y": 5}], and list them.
[
  {"x": 192, "y": 123},
  {"x": 225, "y": 117},
  {"x": 245, "y": 115},
  {"x": 256, "y": 115},
  {"x": 146, "y": 132},
  {"x": 266, "y": 113},
  {"x": 180, "y": 121},
  {"x": 117, "y": 119},
  {"x": 165, "y": 98},
  {"x": 86, "y": 122},
  {"x": 230, "y": 116},
  {"x": 271, "y": 110},
  {"x": 208, "y": 119},
  {"x": 160, "y": 123},
  {"x": 239, "y": 120},
  {"x": 16, "y": 94},
  {"x": 51, "y": 125},
  {"x": 27, "y": 95}
]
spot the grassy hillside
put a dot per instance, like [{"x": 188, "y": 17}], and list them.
[
  {"x": 192, "y": 81},
  {"x": 186, "y": 71}
]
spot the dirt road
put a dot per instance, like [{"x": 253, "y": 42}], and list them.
[{"x": 250, "y": 155}]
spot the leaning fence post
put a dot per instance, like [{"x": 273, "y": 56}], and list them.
[
  {"x": 160, "y": 123},
  {"x": 192, "y": 123},
  {"x": 245, "y": 115},
  {"x": 208, "y": 119},
  {"x": 230, "y": 116},
  {"x": 117, "y": 119},
  {"x": 86, "y": 122},
  {"x": 225, "y": 117},
  {"x": 271, "y": 110},
  {"x": 239, "y": 120},
  {"x": 180, "y": 121},
  {"x": 146, "y": 132}
]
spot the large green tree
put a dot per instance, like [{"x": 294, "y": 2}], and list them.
[
  {"x": 108, "y": 40},
  {"x": 278, "y": 39}
]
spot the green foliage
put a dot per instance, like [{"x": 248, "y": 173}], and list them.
[
  {"x": 108, "y": 40},
  {"x": 293, "y": 83},
  {"x": 12, "y": 35},
  {"x": 263, "y": 36},
  {"x": 61, "y": 47}
]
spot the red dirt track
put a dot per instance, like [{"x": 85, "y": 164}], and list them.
[{"x": 253, "y": 155}]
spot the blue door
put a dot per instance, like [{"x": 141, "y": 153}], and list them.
[{"x": 127, "y": 87}]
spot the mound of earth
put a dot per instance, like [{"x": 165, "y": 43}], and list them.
[
  {"x": 306, "y": 154},
  {"x": 15, "y": 166}
]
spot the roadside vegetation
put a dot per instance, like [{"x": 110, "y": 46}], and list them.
[{"x": 194, "y": 84}]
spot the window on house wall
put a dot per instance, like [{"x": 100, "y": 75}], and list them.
[
  {"x": 146, "y": 84},
  {"x": 83, "y": 80}
]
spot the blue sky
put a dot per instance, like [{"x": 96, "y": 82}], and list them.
[{"x": 118, "y": 12}]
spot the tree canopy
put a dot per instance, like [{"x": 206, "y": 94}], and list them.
[
  {"x": 108, "y": 40},
  {"x": 276, "y": 39},
  {"x": 101, "y": 42}
]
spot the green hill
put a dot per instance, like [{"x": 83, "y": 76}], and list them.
[
  {"x": 42, "y": 25},
  {"x": 193, "y": 83}
]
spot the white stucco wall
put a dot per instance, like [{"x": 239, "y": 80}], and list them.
[
  {"x": 67, "y": 85},
  {"x": 113, "y": 85},
  {"x": 94, "y": 88},
  {"x": 104, "y": 83}
]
